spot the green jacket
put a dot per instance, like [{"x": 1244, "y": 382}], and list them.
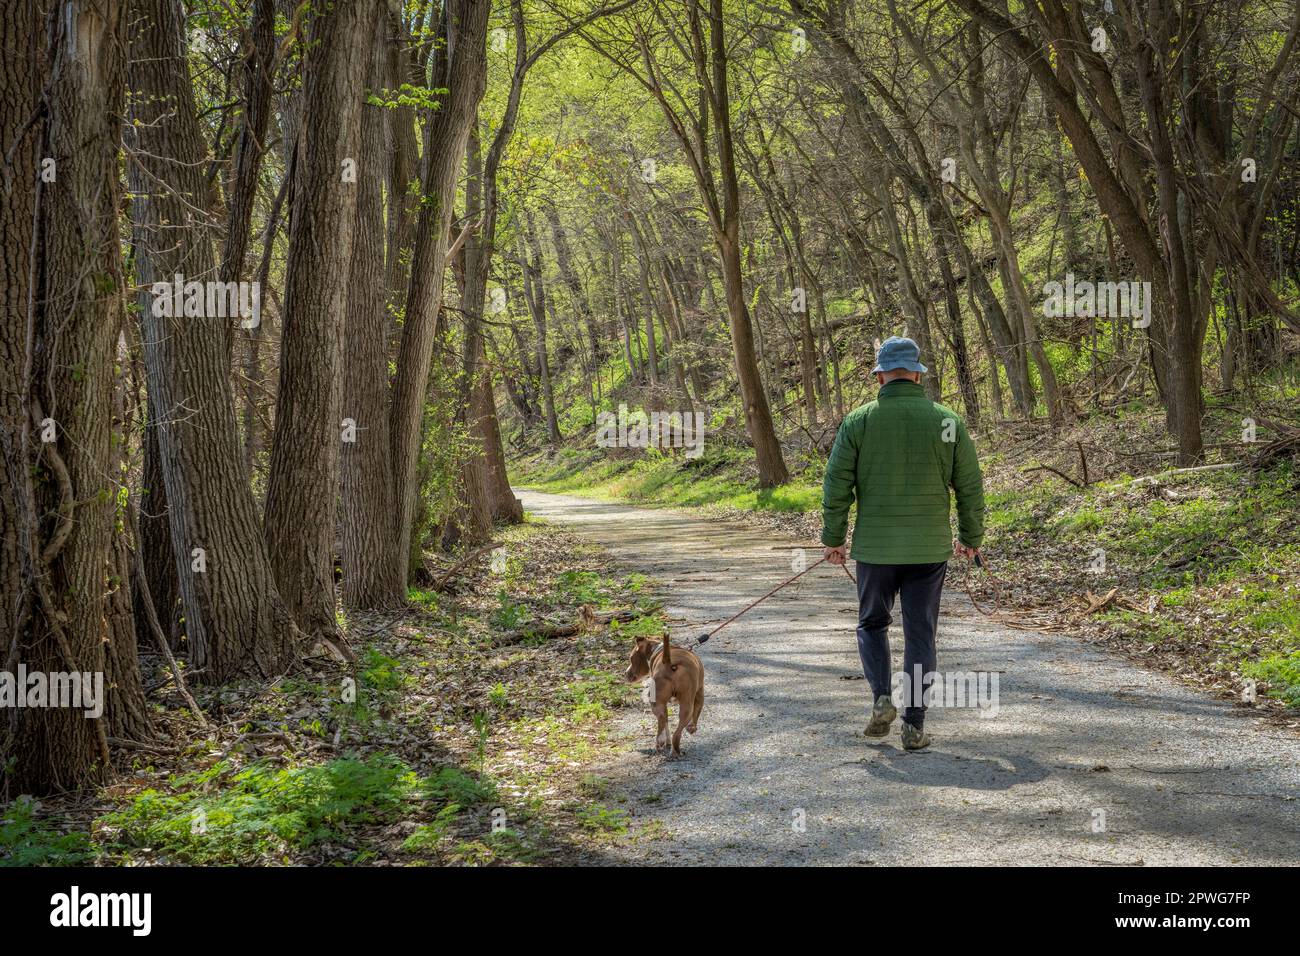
[{"x": 898, "y": 456}]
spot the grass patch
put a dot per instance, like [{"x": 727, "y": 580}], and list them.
[
  {"x": 434, "y": 689},
  {"x": 499, "y": 846},
  {"x": 428, "y": 838},
  {"x": 722, "y": 478},
  {"x": 258, "y": 813},
  {"x": 595, "y": 694},
  {"x": 601, "y": 819},
  {"x": 27, "y": 841},
  {"x": 453, "y": 786},
  {"x": 1282, "y": 673},
  {"x": 429, "y": 600}
]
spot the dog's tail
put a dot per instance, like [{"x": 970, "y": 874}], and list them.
[{"x": 667, "y": 660}]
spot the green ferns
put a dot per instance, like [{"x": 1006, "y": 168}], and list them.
[
  {"x": 256, "y": 814},
  {"x": 26, "y": 841}
]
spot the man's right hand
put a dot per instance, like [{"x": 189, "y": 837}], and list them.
[
  {"x": 835, "y": 555},
  {"x": 963, "y": 551}
]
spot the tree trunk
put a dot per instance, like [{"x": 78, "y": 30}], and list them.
[
  {"x": 501, "y": 498},
  {"x": 647, "y": 303},
  {"x": 64, "y": 282},
  {"x": 616, "y": 274},
  {"x": 235, "y": 622},
  {"x": 301, "y": 489},
  {"x": 758, "y": 415},
  {"x": 401, "y": 141},
  {"x": 252, "y": 134},
  {"x": 1000, "y": 226},
  {"x": 535, "y": 293},
  {"x": 461, "y": 67},
  {"x": 577, "y": 295},
  {"x": 1182, "y": 339},
  {"x": 155, "y": 540},
  {"x": 372, "y": 576},
  {"x": 908, "y": 293}
]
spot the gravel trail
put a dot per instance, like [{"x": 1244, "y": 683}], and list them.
[{"x": 780, "y": 774}]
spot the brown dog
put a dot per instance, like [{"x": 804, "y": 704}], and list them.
[{"x": 677, "y": 675}]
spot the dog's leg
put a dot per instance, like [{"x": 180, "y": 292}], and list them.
[
  {"x": 661, "y": 714},
  {"x": 694, "y": 725},
  {"x": 683, "y": 716}
]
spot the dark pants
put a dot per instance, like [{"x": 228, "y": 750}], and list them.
[{"x": 919, "y": 585}]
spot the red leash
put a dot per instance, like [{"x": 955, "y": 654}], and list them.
[
  {"x": 978, "y": 562},
  {"x": 704, "y": 637},
  {"x": 993, "y": 583}
]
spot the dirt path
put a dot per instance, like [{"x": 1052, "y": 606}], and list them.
[{"x": 1181, "y": 778}]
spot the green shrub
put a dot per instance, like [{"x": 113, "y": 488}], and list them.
[
  {"x": 26, "y": 841},
  {"x": 262, "y": 810},
  {"x": 451, "y": 785},
  {"x": 602, "y": 819},
  {"x": 595, "y": 693},
  {"x": 1282, "y": 673}
]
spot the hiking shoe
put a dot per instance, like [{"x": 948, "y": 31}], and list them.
[
  {"x": 914, "y": 738},
  {"x": 882, "y": 715}
]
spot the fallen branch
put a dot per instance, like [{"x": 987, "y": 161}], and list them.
[
  {"x": 1152, "y": 479},
  {"x": 470, "y": 227},
  {"x": 1097, "y": 603},
  {"x": 1060, "y": 474},
  {"x": 136, "y": 745},
  {"x": 1275, "y": 450},
  {"x": 585, "y": 619},
  {"x": 455, "y": 568}
]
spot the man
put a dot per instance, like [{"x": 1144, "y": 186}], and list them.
[{"x": 899, "y": 456}]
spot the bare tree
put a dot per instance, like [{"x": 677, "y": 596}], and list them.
[{"x": 698, "y": 117}]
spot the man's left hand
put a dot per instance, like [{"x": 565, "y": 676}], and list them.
[{"x": 835, "y": 555}]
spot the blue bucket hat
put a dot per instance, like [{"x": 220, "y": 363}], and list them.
[{"x": 897, "y": 352}]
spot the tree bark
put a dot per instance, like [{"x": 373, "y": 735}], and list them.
[
  {"x": 372, "y": 576},
  {"x": 62, "y": 257},
  {"x": 501, "y": 498},
  {"x": 257, "y": 66},
  {"x": 235, "y": 622},
  {"x": 301, "y": 489},
  {"x": 460, "y": 66}
]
